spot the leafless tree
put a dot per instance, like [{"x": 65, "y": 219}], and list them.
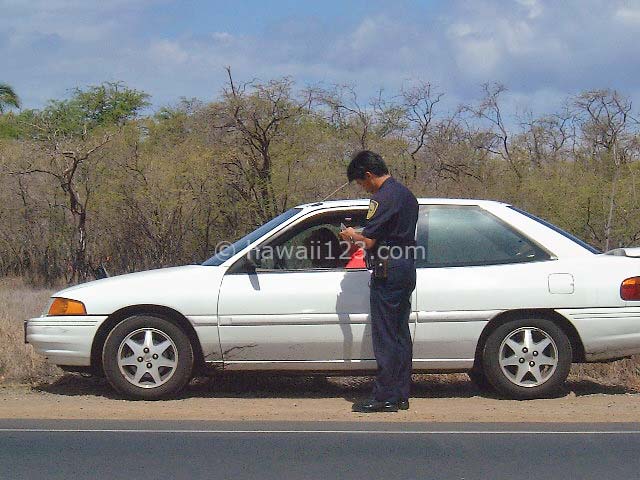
[
  {"x": 347, "y": 112},
  {"x": 419, "y": 102},
  {"x": 489, "y": 109},
  {"x": 67, "y": 158},
  {"x": 257, "y": 113},
  {"x": 604, "y": 118},
  {"x": 546, "y": 137}
]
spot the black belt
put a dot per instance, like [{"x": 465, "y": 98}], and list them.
[
  {"x": 384, "y": 249},
  {"x": 411, "y": 243}
]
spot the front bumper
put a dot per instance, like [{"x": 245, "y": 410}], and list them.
[{"x": 64, "y": 340}]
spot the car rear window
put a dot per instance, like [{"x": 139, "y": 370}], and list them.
[
  {"x": 557, "y": 229},
  {"x": 458, "y": 236}
]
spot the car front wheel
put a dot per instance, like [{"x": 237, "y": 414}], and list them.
[
  {"x": 527, "y": 358},
  {"x": 479, "y": 379},
  {"x": 147, "y": 357}
]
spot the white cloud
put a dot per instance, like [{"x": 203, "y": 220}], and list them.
[
  {"x": 534, "y": 8},
  {"x": 628, "y": 15},
  {"x": 168, "y": 52},
  {"x": 223, "y": 37},
  {"x": 531, "y": 46},
  {"x": 461, "y": 30},
  {"x": 478, "y": 57}
]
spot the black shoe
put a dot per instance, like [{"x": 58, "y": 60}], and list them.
[
  {"x": 373, "y": 406},
  {"x": 403, "y": 404}
]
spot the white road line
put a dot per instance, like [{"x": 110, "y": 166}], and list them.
[{"x": 350, "y": 432}]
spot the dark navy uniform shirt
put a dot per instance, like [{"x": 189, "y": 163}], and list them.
[{"x": 392, "y": 215}]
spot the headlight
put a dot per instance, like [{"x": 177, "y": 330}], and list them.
[{"x": 64, "y": 306}]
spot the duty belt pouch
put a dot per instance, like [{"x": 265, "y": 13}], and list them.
[
  {"x": 380, "y": 268},
  {"x": 381, "y": 262}
]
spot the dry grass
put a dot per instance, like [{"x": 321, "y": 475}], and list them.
[
  {"x": 19, "y": 363},
  {"x": 622, "y": 373}
]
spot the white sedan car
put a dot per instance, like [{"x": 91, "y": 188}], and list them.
[{"x": 500, "y": 294}]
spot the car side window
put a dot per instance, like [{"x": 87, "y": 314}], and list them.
[
  {"x": 314, "y": 244},
  {"x": 456, "y": 236}
]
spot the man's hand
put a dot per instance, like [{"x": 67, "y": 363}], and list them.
[{"x": 347, "y": 234}]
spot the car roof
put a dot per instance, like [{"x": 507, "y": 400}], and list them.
[{"x": 363, "y": 202}]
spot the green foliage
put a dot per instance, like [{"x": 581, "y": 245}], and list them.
[
  {"x": 166, "y": 188},
  {"x": 8, "y": 97},
  {"x": 15, "y": 126},
  {"x": 106, "y": 105},
  {"x": 109, "y": 103}
]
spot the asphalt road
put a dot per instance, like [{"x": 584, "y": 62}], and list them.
[{"x": 193, "y": 450}]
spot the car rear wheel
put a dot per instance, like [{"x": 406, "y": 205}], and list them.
[
  {"x": 147, "y": 357},
  {"x": 527, "y": 358},
  {"x": 479, "y": 379}
]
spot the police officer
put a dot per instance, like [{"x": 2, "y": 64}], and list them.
[{"x": 389, "y": 238}]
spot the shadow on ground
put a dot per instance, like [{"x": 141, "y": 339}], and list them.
[
  {"x": 262, "y": 385},
  {"x": 592, "y": 387}
]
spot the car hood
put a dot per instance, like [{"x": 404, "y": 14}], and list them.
[{"x": 190, "y": 289}]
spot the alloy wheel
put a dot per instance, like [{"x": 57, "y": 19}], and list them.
[
  {"x": 528, "y": 357},
  {"x": 147, "y": 358}
]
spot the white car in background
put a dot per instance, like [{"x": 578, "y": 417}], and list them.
[{"x": 500, "y": 294}]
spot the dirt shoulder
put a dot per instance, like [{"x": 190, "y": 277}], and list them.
[{"x": 314, "y": 399}]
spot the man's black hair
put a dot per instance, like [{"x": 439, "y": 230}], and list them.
[{"x": 366, "y": 161}]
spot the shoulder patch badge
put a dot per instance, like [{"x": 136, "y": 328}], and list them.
[{"x": 373, "y": 206}]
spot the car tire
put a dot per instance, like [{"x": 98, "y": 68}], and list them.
[
  {"x": 480, "y": 380},
  {"x": 147, "y": 357},
  {"x": 527, "y": 358}
]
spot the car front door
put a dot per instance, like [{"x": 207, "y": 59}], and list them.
[{"x": 301, "y": 307}]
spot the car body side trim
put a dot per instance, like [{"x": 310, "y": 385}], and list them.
[
  {"x": 294, "y": 319},
  {"x": 440, "y": 364},
  {"x": 309, "y": 365},
  {"x": 458, "y": 316},
  {"x": 203, "y": 320}
]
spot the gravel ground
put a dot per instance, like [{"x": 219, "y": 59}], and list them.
[{"x": 436, "y": 398}]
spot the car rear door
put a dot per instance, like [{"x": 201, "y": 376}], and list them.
[{"x": 471, "y": 266}]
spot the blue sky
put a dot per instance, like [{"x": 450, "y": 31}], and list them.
[{"x": 542, "y": 51}]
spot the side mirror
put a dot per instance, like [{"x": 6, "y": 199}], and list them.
[
  {"x": 100, "y": 272},
  {"x": 253, "y": 258}
]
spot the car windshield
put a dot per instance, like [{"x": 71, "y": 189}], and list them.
[
  {"x": 557, "y": 229},
  {"x": 247, "y": 240}
]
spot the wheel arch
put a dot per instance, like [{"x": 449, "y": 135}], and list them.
[
  {"x": 567, "y": 327},
  {"x": 167, "y": 313}
]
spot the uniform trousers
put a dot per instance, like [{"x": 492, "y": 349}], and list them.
[{"x": 390, "y": 301}]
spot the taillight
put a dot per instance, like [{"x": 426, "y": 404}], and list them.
[{"x": 630, "y": 289}]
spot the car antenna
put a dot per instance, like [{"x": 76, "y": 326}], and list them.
[{"x": 335, "y": 191}]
